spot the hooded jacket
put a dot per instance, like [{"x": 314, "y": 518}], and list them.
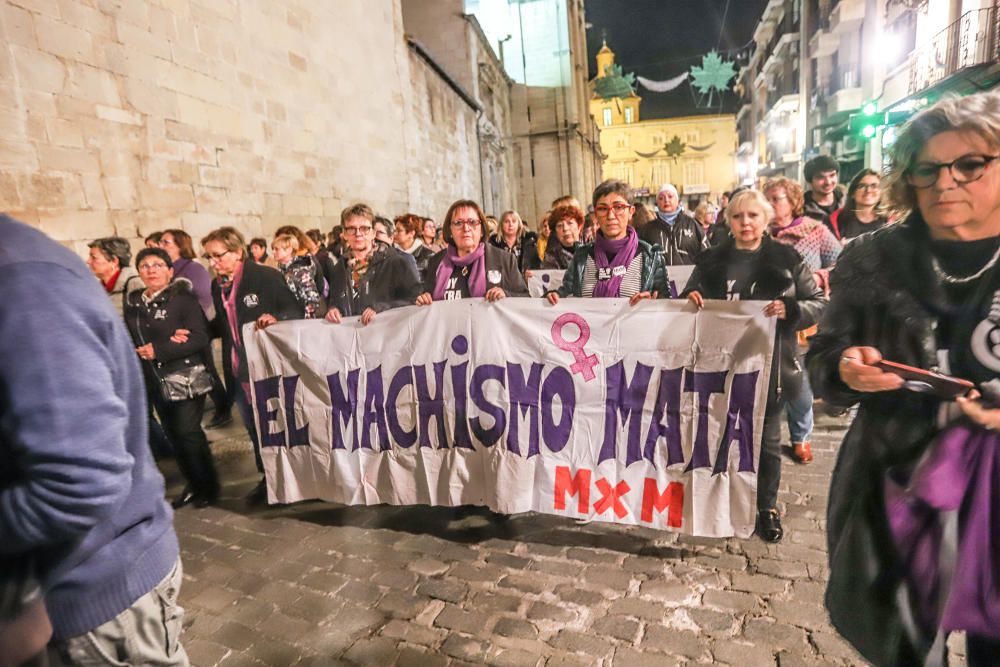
[
  {"x": 681, "y": 242},
  {"x": 654, "y": 273}
]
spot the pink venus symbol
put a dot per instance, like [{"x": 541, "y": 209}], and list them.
[{"x": 584, "y": 364}]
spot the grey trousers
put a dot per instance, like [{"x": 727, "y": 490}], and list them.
[{"x": 147, "y": 633}]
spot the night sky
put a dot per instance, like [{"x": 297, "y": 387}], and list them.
[{"x": 659, "y": 39}]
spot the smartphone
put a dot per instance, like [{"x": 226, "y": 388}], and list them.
[{"x": 927, "y": 382}]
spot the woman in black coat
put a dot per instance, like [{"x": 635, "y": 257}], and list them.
[
  {"x": 372, "y": 277},
  {"x": 244, "y": 292},
  {"x": 926, "y": 293},
  {"x": 751, "y": 266},
  {"x": 171, "y": 336},
  {"x": 468, "y": 267},
  {"x": 406, "y": 237},
  {"x": 514, "y": 237}
]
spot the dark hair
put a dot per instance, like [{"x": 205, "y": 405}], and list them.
[
  {"x": 641, "y": 217},
  {"x": 156, "y": 252},
  {"x": 183, "y": 242},
  {"x": 818, "y": 165},
  {"x": 258, "y": 241},
  {"x": 316, "y": 236},
  {"x": 154, "y": 237},
  {"x": 855, "y": 184},
  {"x": 463, "y": 203},
  {"x": 389, "y": 227},
  {"x": 113, "y": 247},
  {"x": 613, "y": 186},
  {"x": 291, "y": 230}
]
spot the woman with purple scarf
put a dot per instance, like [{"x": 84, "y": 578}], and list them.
[
  {"x": 913, "y": 524},
  {"x": 617, "y": 263},
  {"x": 468, "y": 267}
]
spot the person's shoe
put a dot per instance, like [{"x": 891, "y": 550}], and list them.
[
  {"x": 769, "y": 526},
  {"x": 802, "y": 452},
  {"x": 186, "y": 498},
  {"x": 258, "y": 495},
  {"x": 220, "y": 420}
]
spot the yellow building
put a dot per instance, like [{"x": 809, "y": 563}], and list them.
[{"x": 695, "y": 153}]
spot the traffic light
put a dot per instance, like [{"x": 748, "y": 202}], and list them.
[{"x": 868, "y": 121}]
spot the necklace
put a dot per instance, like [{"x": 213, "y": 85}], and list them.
[{"x": 961, "y": 280}]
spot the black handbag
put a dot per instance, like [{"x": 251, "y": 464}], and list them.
[{"x": 185, "y": 384}]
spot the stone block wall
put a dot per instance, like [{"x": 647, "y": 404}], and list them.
[{"x": 130, "y": 116}]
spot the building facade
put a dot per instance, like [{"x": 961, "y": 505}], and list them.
[
  {"x": 770, "y": 120},
  {"x": 695, "y": 153},
  {"x": 128, "y": 118}
]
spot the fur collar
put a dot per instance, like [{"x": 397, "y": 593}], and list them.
[{"x": 774, "y": 273}]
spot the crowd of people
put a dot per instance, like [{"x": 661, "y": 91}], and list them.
[{"x": 919, "y": 466}]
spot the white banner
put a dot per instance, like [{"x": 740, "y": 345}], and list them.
[
  {"x": 678, "y": 276},
  {"x": 648, "y": 415},
  {"x": 544, "y": 280}
]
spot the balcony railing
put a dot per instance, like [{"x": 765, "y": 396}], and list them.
[{"x": 974, "y": 39}]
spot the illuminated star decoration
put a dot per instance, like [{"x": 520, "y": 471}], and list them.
[{"x": 714, "y": 74}]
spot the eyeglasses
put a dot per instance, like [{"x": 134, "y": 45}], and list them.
[
  {"x": 217, "y": 257},
  {"x": 619, "y": 209},
  {"x": 470, "y": 223},
  {"x": 965, "y": 169},
  {"x": 166, "y": 241},
  {"x": 869, "y": 186},
  {"x": 151, "y": 266},
  {"x": 776, "y": 198},
  {"x": 363, "y": 230}
]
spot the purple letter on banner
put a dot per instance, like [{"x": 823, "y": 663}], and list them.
[
  {"x": 626, "y": 399},
  {"x": 739, "y": 423},
  {"x": 402, "y": 378},
  {"x": 431, "y": 407},
  {"x": 703, "y": 384},
  {"x": 523, "y": 400},
  {"x": 558, "y": 383},
  {"x": 344, "y": 408},
  {"x": 264, "y": 390},
  {"x": 296, "y": 436},
  {"x": 487, "y": 436},
  {"x": 668, "y": 402},
  {"x": 375, "y": 412}
]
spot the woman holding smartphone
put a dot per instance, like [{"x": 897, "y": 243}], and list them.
[{"x": 924, "y": 293}]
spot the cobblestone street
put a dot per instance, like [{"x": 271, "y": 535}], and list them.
[{"x": 323, "y": 584}]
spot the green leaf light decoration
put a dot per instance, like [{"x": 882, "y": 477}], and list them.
[
  {"x": 714, "y": 74},
  {"x": 614, "y": 83}
]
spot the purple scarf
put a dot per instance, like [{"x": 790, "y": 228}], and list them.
[
  {"x": 477, "y": 274},
  {"x": 960, "y": 472},
  {"x": 623, "y": 252}
]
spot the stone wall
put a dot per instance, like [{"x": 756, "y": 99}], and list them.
[{"x": 129, "y": 116}]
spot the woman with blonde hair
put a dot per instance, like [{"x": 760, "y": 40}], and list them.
[
  {"x": 513, "y": 236},
  {"x": 751, "y": 266},
  {"x": 299, "y": 272},
  {"x": 912, "y": 530}
]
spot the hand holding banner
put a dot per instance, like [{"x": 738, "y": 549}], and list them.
[{"x": 647, "y": 415}]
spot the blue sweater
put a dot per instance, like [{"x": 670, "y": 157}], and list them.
[{"x": 79, "y": 491}]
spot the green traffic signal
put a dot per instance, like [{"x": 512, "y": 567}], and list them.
[{"x": 868, "y": 131}]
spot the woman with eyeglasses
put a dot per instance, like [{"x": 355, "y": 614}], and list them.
[
  {"x": 371, "y": 277},
  {"x": 617, "y": 263},
  {"x": 170, "y": 332},
  {"x": 468, "y": 267},
  {"x": 860, "y": 213},
  {"x": 819, "y": 249},
  {"x": 912, "y": 523},
  {"x": 244, "y": 292}
]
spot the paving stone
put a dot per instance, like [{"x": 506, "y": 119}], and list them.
[
  {"x": 677, "y": 642},
  {"x": 513, "y": 657},
  {"x": 617, "y": 627},
  {"x": 759, "y": 584},
  {"x": 543, "y": 611},
  {"x": 494, "y": 602},
  {"x": 713, "y": 622},
  {"x": 765, "y": 632},
  {"x": 580, "y": 596},
  {"x": 669, "y": 592},
  {"x": 783, "y": 569},
  {"x": 455, "y": 618},
  {"x": 802, "y": 614},
  {"x": 833, "y": 646},
  {"x": 400, "y": 580},
  {"x": 742, "y": 655},
  {"x": 203, "y": 652},
  {"x": 565, "y": 660},
  {"x": 410, "y": 656},
  {"x": 234, "y": 636},
  {"x": 429, "y": 567},
  {"x": 402, "y": 605},
  {"x": 411, "y": 632},
  {"x": 448, "y": 590},
  {"x": 465, "y": 648},
  {"x": 373, "y": 651},
  {"x": 516, "y": 628},
  {"x": 578, "y": 642},
  {"x": 629, "y": 657},
  {"x": 523, "y": 582},
  {"x": 651, "y": 611},
  {"x": 735, "y": 601},
  {"x": 509, "y": 560}
]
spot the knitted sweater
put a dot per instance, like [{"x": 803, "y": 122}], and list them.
[
  {"x": 815, "y": 242},
  {"x": 79, "y": 492}
]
